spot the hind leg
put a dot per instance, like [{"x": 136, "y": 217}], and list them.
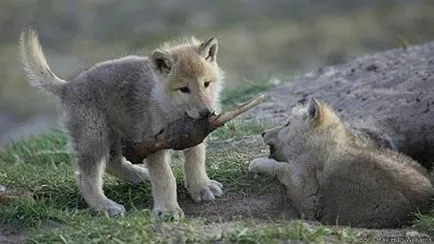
[
  {"x": 121, "y": 168},
  {"x": 91, "y": 144},
  {"x": 302, "y": 188},
  {"x": 90, "y": 169}
]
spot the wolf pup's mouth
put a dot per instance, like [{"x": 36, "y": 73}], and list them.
[
  {"x": 275, "y": 154},
  {"x": 272, "y": 150}
]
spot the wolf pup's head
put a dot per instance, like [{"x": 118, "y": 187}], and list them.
[
  {"x": 310, "y": 129},
  {"x": 188, "y": 76}
]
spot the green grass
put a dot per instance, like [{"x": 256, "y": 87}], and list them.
[
  {"x": 425, "y": 223},
  {"x": 243, "y": 92},
  {"x": 295, "y": 230},
  {"x": 137, "y": 227},
  {"x": 42, "y": 166},
  {"x": 237, "y": 129}
]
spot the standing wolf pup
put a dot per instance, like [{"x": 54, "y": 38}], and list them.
[
  {"x": 337, "y": 177},
  {"x": 134, "y": 97}
]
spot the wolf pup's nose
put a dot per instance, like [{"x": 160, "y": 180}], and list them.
[
  {"x": 263, "y": 134},
  {"x": 204, "y": 113}
]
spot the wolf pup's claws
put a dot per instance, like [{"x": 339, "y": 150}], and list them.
[
  {"x": 216, "y": 188},
  {"x": 165, "y": 215},
  {"x": 111, "y": 209},
  {"x": 206, "y": 192}
]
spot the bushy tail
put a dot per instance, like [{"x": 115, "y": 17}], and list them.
[{"x": 35, "y": 64}]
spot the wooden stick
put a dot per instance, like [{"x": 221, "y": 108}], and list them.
[{"x": 221, "y": 119}]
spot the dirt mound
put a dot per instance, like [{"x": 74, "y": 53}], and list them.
[{"x": 391, "y": 91}]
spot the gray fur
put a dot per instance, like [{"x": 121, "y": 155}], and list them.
[
  {"x": 338, "y": 177},
  {"x": 129, "y": 97}
]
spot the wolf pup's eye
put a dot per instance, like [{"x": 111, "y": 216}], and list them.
[
  {"x": 184, "y": 89},
  {"x": 206, "y": 84}
]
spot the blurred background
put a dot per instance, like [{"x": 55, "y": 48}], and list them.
[{"x": 261, "y": 41}]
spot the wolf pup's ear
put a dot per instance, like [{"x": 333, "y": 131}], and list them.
[
  {"x": 313, "y": 110},
  {"x": 208, "y": 49},
  {"x": 162, "y": 61}
]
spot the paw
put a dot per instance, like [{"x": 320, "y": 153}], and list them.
[
  {"x": 208, "y": 190},
  {"x": 111, "y": 208},
  {"x": 139, "y": 174},
  {"x": 257, "y": 165},
  {"x": 174, "y": 214},
  {"x": 135, "y": 173}
]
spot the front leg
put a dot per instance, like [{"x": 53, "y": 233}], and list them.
[
  {"x": 200, "y": 187},
  {"x": 120, "y": 167},
  {"x": 163, "y": 187},
  {"x": 268, "y": 166},
  {"x": 302, "y": 187}
]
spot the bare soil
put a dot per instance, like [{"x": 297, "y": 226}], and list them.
[
  {"x": 232, "y": 207},
  {"x": 11, "y": 234}
]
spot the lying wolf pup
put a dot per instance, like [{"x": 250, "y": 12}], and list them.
[
  {"x": 134, "y": 98},
  {"x": 332, "y": 177}
]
